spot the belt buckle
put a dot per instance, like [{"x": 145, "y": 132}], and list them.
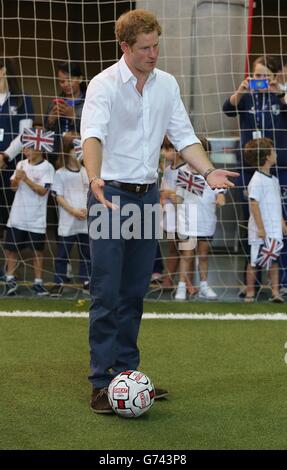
[{"x": 138, "y": 188}]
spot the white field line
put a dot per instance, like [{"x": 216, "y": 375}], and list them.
[{"x": 163, "y": 316}]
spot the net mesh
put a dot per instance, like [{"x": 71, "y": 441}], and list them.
[{"x": 207, "y": 45}]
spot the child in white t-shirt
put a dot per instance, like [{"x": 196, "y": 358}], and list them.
[
  {"x": 26, "y": 226},
  {"x": 70, "y": 188},
  {"x": 197, "y": 223},
  {"x": 169, "y": 201},
  {"x": 265, "y": 219}
]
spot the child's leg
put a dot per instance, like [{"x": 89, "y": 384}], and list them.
[
  {"x": 84, "y": 254},
  {"x": 38, "y": 264},
  {"x": 274, "y": 278},
  {"x": 15, "y": 241},
  {"x": 187, "y": 253},
  {"x": 172, "y": 261},
  {"x": 202, "y": 252},
  {"x": 184, "y": 285},
  {"x": 189, "y": 276},
  {"x": 185, "y": 264},
  {"x": 64, "y": 248},
  {"x": 11, "y": 262},
  {"x": 250, "y": 281},
  {"x": 37, "y": 244}
]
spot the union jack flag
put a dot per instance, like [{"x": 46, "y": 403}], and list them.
[
  {"x": 190, "y": 182},
  {"x": 78, "y": 149},
  {"x": 38, "y": 139},
  {"x": 269, "y": 252}
]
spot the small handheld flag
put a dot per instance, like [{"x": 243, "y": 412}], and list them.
[
  {"x": 78, "y": 149},
  {"x": 190, "y": 182},
  {"x": 38, "y": 139},
  {"x": 269, "y": 252}
]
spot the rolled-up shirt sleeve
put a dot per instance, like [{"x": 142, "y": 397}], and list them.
[
  {"x": 96, "y": 112},
  {"x": 180, "y": 130}
]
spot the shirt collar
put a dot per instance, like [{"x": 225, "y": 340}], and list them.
[{"x": 127, "y": 74}]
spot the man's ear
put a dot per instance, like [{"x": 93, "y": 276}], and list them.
[{"x": 124, "y": 46}]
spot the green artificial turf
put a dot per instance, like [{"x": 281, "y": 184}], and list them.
[
  {"x": 227, "y": 383},
  {"x": 50, "y": 305}
]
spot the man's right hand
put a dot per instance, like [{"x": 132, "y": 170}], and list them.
[{"x": 97, "y": 186}]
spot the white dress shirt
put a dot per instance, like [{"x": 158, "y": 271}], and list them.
[{"x": 132, "y": 126}]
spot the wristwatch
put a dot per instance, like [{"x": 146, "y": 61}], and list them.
[{"x": 93, "y": 179}]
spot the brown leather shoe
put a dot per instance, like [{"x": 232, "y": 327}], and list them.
[
  {"x": 100, "y": 402},
  {"x": 160, "y": 393}
]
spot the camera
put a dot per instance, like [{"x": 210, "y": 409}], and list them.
[{"x": 258, "y": 84}]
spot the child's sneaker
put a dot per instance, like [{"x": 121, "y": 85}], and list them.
[
  {"x": 11, "y": 287},
  {"x": 180, "y": 291},
  {"x": 39, "y": 289},
  {"x": 86, "y": 287},
  {"x": 276, "y": 299},
  {"x": 205, "y": 292},
  {"x": 57, "y": 290}
]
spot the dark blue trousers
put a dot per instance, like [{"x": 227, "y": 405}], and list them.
[
  {"x": 121, "y": 271},
  {"x": 64, "y": 248},
  {"x": 158, "y": 263}
]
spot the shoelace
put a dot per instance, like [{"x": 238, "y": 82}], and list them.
[{"x": 103, "y": 391}]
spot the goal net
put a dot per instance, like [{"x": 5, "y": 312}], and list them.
[{"x": 208, "y": 45}]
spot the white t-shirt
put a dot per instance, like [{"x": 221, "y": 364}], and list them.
[
  {"x": 266, "y": 191},
  {"x": 73, "y": 187},
  {"x": 197, "y": 212},
  {"x": 29, "y": 209}
]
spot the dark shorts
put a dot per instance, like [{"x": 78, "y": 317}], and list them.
[{"x": 18, "y": 240}]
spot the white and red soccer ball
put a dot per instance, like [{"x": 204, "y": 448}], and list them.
[{"x": 131, "y": 393}]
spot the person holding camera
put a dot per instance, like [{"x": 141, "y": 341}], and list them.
[
  {"x": 260, "y": 105},
  {"x": 64, "y": 112}
]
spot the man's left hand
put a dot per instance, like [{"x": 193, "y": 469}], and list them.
[{"x": 219, "y": 179}]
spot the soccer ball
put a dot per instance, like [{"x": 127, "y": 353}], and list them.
[{"x": 131, "y": 393}]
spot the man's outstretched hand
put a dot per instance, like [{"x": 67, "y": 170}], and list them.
[{"x": 219, "y": 178}]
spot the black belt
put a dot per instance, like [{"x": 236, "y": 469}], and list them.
[{"x": 133, "y": 187}]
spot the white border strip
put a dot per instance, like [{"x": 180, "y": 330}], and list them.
[{"x": 162, "y": 316}]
